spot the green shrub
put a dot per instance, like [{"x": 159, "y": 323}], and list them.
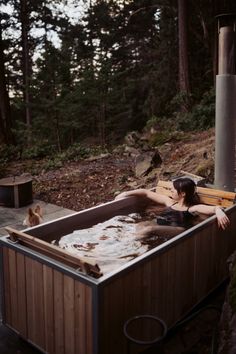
[
  {"x": 202, "y": 115},
  {"x": 38, "y": 151},
  {"x": 9, "y": 153},
  {"x": 77, "y": 152},
  {"x": 52, "y": 164},
  {"x": 164, "y": 130}
]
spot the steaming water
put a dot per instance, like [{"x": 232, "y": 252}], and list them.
[{"x": 112, "y": 243}]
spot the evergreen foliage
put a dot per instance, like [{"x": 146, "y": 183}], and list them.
[{"x": 108, "y": 72}]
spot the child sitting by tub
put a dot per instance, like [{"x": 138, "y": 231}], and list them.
[{"x": 180, "y": 212}]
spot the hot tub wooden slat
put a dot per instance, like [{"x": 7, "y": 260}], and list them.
[
  {"x": 58, "y": 312},
  {"x": 223, "y": 253},
  {"x": 89, "y": 321},
  {"x": 38, "y": 299},
  {"x": 83, "y": 318},
  {"x": 219, "y": 254},
  {"x": 69, "y": 310},
  {"x": 34, "y": 293},
  {"x": 6, "y": 282},
  {"x": 48, "y": 308},
  {"x": 171, "y": 284},
  {"x": 21, "y": 291},
  {"x": 146, "y": 274},
  {"x": 30, "y": 298},
  {"x": 158, "y": 274},
  {"x": 15, "y": 301},
  {"x": 184, "y": 276},
  {"x": 114, "y": 306},
  {"x": 13, "y": 285},
  {"x": 202, "y": 262},
  {"x": 210, "y": 259},
  {"x": 80, "y": 317}
]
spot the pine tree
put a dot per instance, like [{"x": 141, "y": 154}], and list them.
[{"x": 6, "y": 135}]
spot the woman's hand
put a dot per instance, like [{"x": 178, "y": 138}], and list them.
[
  {"x": 122, "y": 195},
  {"x": 134, "y": 193},
  {"x": 222, "y": 218}
]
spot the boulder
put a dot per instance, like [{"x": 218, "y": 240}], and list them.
[
  {"x": 146, "y": 161},
  {"x": 133, "y": 139}
]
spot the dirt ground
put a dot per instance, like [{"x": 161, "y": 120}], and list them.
[
  {"x": 79, "y": 185},
  {"x": 86, "y": 183}
]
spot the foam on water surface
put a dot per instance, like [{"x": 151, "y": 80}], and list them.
[{"x": 112, "y": 242}]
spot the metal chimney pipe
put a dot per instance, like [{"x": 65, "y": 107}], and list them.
[{"x": 225, "y": 119}]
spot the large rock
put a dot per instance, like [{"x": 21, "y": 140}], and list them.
[
  {"x": 137, "y": 141},
  {"x": 146, "y": 162},
  {"x": 133, "y": 139}
]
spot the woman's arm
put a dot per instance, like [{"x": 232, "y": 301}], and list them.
[
  {"x": 222, "y": 218},
  {"x": 153, "y": 196}
]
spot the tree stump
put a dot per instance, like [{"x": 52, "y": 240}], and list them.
[{"x": 16, "y": 192}]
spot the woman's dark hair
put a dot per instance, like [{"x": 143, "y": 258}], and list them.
[{"x": 187, "y": 186}]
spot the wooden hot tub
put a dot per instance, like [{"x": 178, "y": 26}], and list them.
[{"x": 62, "y": 310}]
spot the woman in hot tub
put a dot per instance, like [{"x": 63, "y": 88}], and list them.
[{"x": 181, "y": 209}]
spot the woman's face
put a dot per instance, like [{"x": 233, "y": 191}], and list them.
[{"x": 175, "y": 195}]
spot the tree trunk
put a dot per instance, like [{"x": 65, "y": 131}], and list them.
[
  {"x": 102, "y": 122},
  {"x": 184, "y": 86},
  {"x": 6, "y": 135},
  {"x": 26, "y": 64}
]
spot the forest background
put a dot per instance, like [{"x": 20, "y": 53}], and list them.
[
  {"x": 77, "y": 75},
  {"x": 121, "y": 65}
]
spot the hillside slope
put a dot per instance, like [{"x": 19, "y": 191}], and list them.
[{"x": 85, "y": 183}]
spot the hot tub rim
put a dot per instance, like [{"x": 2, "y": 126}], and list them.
[{"x": 129, "y": 266}]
